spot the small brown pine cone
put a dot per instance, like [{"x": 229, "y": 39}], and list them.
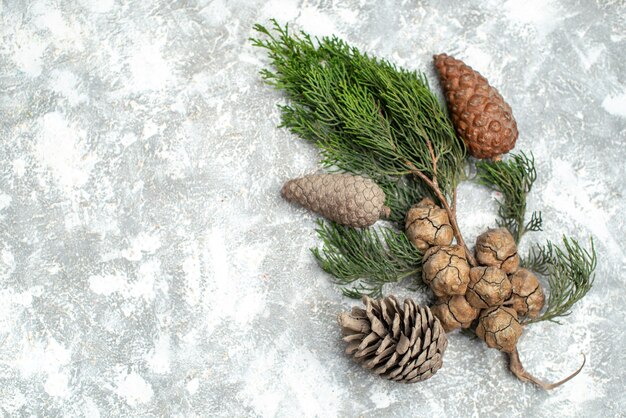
[
  {"x": 404, "y": 343},
  {"x": 454, "y": 312},
  {"x": 499, "y": 328},
  {"x": 527, "y": 298},
  {"x": 344, "y": 198},
  {"x": 446, "y": 270},
  {"x": 480, "y": 115},
  {"x": 488, "y": 286},
  {"x": 496, "y": 247},
  {"x": 427, "y": 225}
]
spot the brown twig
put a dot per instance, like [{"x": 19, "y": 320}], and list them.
[
  {"x": 515, "y": 365},
  {"x": 455, "y": 227},
  {"x": 432, "y": 183},
  {"x": 433, "y": 158}
]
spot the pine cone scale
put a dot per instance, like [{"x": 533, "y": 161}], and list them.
[
  {"x": 353, "y": 337},
  {"x": 386, "y": 343},
  {"x": 403, "y": 345},
  {"x": 376, "y": 325},
  {"x": 395, "y": 326},
  {"x": 365, "y": 351},
  {"x": 371, "y": 338},
  {"x": 357, "y": 325},
  {"x": 405, "y": 359}
]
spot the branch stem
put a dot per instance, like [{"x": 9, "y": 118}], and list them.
[
  {"x": 515, "y": 365},
  {"x": 455, "y": 227},
  {"x": 451, "y": 211}
]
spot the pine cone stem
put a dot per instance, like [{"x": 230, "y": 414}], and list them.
[
  {"x": 515, "y": 365},
  {"x": 455, "y": 226},
  {"x": 451, "y": 211}
]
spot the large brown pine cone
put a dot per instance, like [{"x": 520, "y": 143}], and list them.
[
  {"x": 480, "y": 115},
  {"x": 344, "y": 198},
  {"x": 402, "y": 343}
]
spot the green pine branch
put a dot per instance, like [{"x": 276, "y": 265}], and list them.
[
  {"x": 569, "y": 271},
  {"x": 401, "y": 194},
  {"x": 513, "y": 178},
  {"x": 371, "y": 118},
  {"x": 364, "y": 260},
  {"x": 366, "y": 115}
]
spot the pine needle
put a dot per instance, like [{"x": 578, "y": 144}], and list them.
[
  {"x": 513, "y": 178},
  {"x": 569, "y": 272},
  {"x": 401, "y": 194},
  {"x": 363, "y": 260}
]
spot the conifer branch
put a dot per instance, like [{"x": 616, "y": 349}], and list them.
[
  {"x": 367, "y": 116},
  {"x": 364, "y": 260},
  {"x": 402, "y": 193},
  {"x": 569, "y": 272},
  {"x": 513, "y": 178}
]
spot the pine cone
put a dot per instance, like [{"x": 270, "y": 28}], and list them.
[
  {"x": 346, "y": 199},
  {"x": 446, "y": 270},
  {"x": 480, "y": 115},
  {"x": 527, "y": 298},
  {"x": 404, "y": 344},
  {"x": 488, "y": 286},
  {"x": 454, "y": 312},
  {"x": 499, "y": 328},
  {"x": 427, "y": 224},
  {"x": 496, "y": 247}
]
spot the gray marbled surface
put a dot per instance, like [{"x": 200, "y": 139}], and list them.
[{"x": 148, "y": 266}]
